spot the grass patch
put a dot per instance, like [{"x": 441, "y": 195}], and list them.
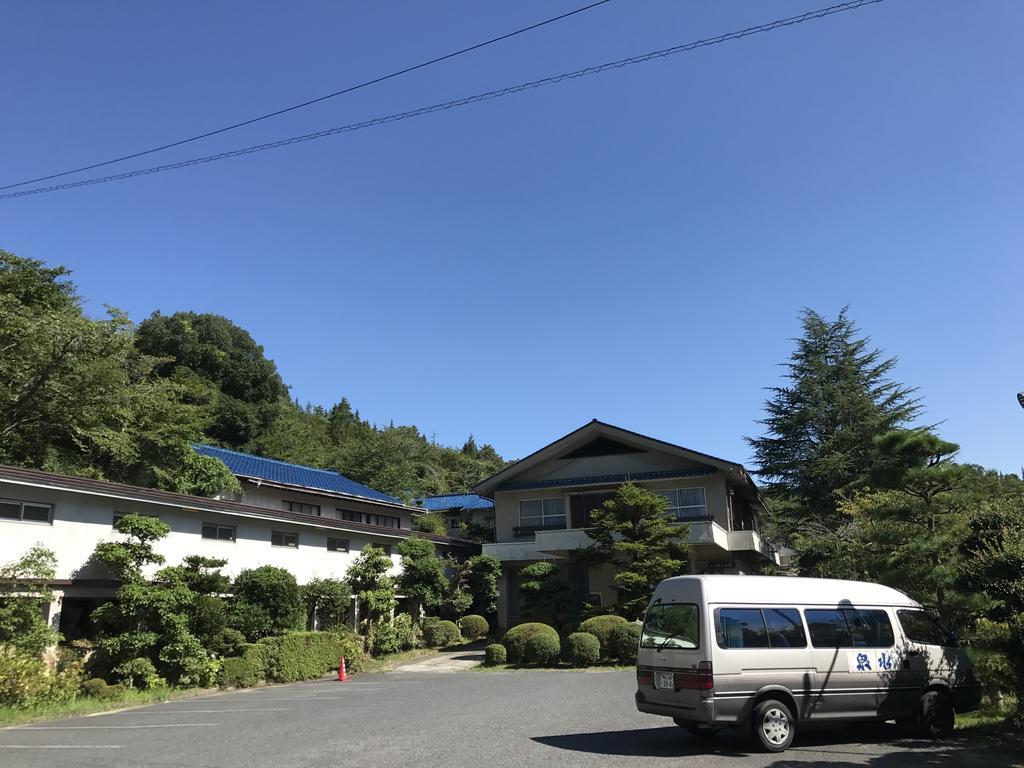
[
  {"x": 88, "y": 706},
  {"x": 392, "y": 660},
  {"x": 990, "y": 726}
]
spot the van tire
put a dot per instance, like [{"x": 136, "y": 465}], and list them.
[
  {"x": 773, "y": 725},
  {"x": 935, "y": 716}
]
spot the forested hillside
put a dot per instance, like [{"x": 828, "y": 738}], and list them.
[{"x": 110, "y": 399}]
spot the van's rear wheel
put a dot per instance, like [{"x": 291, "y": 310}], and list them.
[
  {"x": 936, "y": 716},
  {"x": 773, "y": 725}
]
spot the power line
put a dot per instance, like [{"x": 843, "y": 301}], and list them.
[
  {"x": 317, "y": 100},
  {"x": 767, "y": 27}
]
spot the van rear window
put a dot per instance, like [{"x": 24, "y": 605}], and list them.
[
  {"x": 849, "y": 628},
  {"x": 760, "y": 628},
  {"x": 671, "y": 625}
]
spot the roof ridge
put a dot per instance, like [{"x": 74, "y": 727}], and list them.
[{"x": 276, "y": 461}]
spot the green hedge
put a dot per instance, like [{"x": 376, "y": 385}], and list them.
[
  {"x": 601, "y": 627},
  {"x": 438, "y": 634},
  {"x": 623, "y": 642},
  {"x": 543, "y": 649},
  {"x": 292, "y": 657},
  {"x": 582, "y": 649},
  {"x": 515, "y": 639},
  {"x": 494, "y": 655},
  {"x": 474, "y": 627}
]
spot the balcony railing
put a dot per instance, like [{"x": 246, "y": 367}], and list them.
[{"x": 529, "y": 530}]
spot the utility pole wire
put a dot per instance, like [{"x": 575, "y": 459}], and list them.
[
  {"x": 317, "y": 100},
  {"x": 767, "y": 27}
]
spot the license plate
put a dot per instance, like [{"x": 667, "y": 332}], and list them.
[{"x": 664, "y": 681}]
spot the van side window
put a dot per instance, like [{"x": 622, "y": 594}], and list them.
[
  {"x": 785, "y": 630},
  {"x": 921, "y": 627},
  {"x": 741, "y": 628},
  {"x": 849, "y": 628}
]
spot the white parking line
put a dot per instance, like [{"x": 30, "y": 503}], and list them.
[
  {"x": 107, "y": 727},
  {"x": 60, "y": 746}
]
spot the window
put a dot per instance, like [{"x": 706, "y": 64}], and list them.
[
  {"x": 218, "y": 532},
  {"x": 785, "y": 630},
  {"x": 671, "y": 625},
  {"x": 25, "y": 511},
  {"x": 302, "y": 508},
  {"x": 282, "y": 539},
  {"x": 741, "y": 628},
  {"x": 383, "y": 521},
  {"x": 453, "y": 523},
  {"x": 542, "y": 513},
  {"x": 849, "y": 628},
  {"x": 686, "y": 503},
  {"x": 921, "y": 627},
  {"x": 337, "y": 545}
]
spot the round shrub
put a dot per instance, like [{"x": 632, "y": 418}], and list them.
[
  {"x": 383, "y": 640},
  {"x": 582, "y": 649},
  {"x": 601, "y": 627},
  {"x": 404, "y": 632},
  {"x": 474, "y": 627},
  {"x": 543, "y": 649},
  {"x": 515, "y": 639},
  {"x": 495, "y": 655},
  {"x": 441, "y": 633},
  {"x": 623, "y": 642}
]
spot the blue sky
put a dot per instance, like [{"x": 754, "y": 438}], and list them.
[{"x": 633, "y": 247}]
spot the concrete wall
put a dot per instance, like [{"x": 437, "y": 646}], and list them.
[{"x": 80, "y": 521}]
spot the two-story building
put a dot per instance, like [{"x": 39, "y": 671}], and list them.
[
  {"x": 311, "y": 522},
  {"x": 458, "y": 508},
  {"x": 542, "y": 506}
]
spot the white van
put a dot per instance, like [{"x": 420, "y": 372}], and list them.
[{"x": 770, "y": 652}]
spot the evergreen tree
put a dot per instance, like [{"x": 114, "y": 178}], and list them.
[
  {"x": 373, "y": 587},
  {"x": 546, "y": 595},
  {"x": 822, "y": 424},
  {"x": 423, "y": 578},
  {"x": 636, "y": 534}
]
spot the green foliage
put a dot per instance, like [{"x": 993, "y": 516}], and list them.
[
  {"x": 405, "y": 632},
  {"x": 25, "y": 680},
  {"x": 126, "y": 557},
  {"x": 267, "y": 601},
  {"x": 581, "y": 649},
  {"x": 430, "y": 522},
  {"x": 97, "y": 688},
  {"x": 635, "y": 533},
  {"x": 516, "y": 638},
  {"x": 139, "y": 673},
  {"x": 474, "y": 627},
  {"x": 438, "y": 634},
  {"x": 222, "y": 366},
  {"x": 478, "y": 577},
  {"x": 543, "y": 649},
  {"x": 383, "y": 639},
  {"x": 623, "y": 642},
  {"x": 242, "y": 671},
  {"x": 602, "y": 627},
  {"x": 545, "y": 593},
  {"x": 423, "y": 578},
  {"x": 308, "y": 655},
  {"x": 367, "y": 575},
  {"x": 23, "y": 598},
  {"x": 494, "y": 655},
  {"x": 481, "y": 533},
  {"x": 821, "y": 426},
  {"x": 327, "y": 601}
]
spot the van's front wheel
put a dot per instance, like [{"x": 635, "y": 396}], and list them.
[
  {"x": 773, "y": 725},
  {"x": 936, "y": 717}
]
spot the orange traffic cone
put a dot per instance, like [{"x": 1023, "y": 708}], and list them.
[{"x": 342, "y": 675}]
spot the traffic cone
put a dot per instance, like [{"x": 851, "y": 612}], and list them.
[{"x": 342, "y": 675}]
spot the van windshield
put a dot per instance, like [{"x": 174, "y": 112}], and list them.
[{"x": 671, "y": 625}]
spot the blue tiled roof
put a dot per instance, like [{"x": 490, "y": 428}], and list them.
[
  {"x": 456, "y": 501},
  {"x": 271, "y": 470}
]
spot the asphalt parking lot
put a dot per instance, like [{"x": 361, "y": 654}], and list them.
[{"x": 454, "y": 719}]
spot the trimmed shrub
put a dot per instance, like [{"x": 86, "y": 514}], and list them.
[
  {"x": 441, "y": 633},
  {"x": 495, "y": 655},
  {"x": 515, "y": 639},
  {"x": 543, "y": 649},
  {"x": 242, "y": 671},
  {"x": 383, "y": 640},
  {"x": 623, "y": 642},
  {"x": 97, "y": 688},
  {"x": 474, "y": 627},
  {"x": 601, "y": 627},
  {"x": 23, "y": 678},
  {"x": 226, "y": 642},
  {"x": 404, "y": 632},
  {"x": 306, "y": 655},
  {"x": 582, "y": 649}
]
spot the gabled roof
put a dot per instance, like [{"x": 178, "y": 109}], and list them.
[
  {"x": 599, "y": 430},
  {"x": 295, "y": 475},
  {"x": 456, "y": 501}
]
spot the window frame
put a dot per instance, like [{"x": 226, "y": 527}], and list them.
[
  {"x": 676, "y": 509},
  {"x": 21, "y": 512},
  {"x": 544, "y": 515},
  {"x": 217, "y": 527},
  {"x": 697, "y": 614},
  {"x": 289, "y": 504},
  {"x": 849, "y": 630},
  {"x": 720, "y": 635},
  {"x": 346, "y": 548},
  {"x": 285, "y": 536}
]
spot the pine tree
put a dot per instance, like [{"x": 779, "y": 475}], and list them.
[{"x": 821, "y": 425}]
